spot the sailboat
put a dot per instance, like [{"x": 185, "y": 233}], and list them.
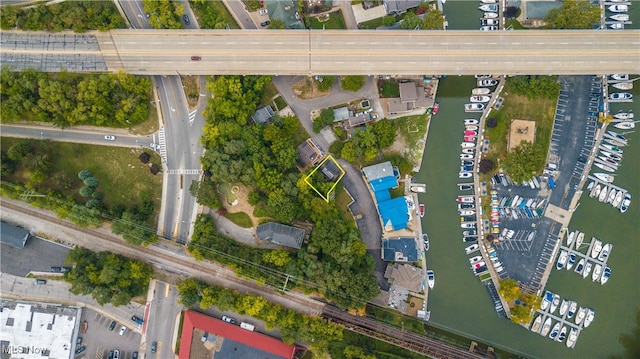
[
  {"x": 573, "y": 336},
  {"x": 587, "y": 269},
  {"x": 604, "y": 177},
  {"x": 626, "y": 125},
  {"x": 579, "y": 240}
]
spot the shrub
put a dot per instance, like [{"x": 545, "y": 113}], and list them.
[
  {"x": 19, "y": 150},
  {"x": 84, "y": 174},
  {"x": 86, "y": 191},
  {"x": 92, "y": 203},
  {"x": 91, "y": 182},
  {"x": 144, "y": 157},
  {"x": 352, "y": 83},
  {"x": 327, "y": 82},
  {"x": 492, "y": 122},
  {"x": 155, "y": 169},
  {"x": 97, "y": 195},
  {"x": 486, "y": 166}
]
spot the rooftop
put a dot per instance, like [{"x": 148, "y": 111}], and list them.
[
  {"x": 308, "y": 154},
  {"x": 408, "y": 92},
  {"x": 402, "y": 249},
  {"x": 263, "y": 114},
  {"x": 341, "y": 114},
  {"x": 13, "y": 235},
  {"x": 400, "y": 6},
  {"x": 394, "y": 214},
  {"x": 405, "y": 276},
  {"x": 377, "y": 171},
  {"x": 281, "y": 234}
]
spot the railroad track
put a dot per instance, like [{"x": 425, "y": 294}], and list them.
[{"x": 404, "y": 339}]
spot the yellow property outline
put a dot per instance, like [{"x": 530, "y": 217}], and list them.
[{"x": 306, "y": 179}]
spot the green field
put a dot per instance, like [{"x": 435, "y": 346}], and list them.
[
  {"x": 335, "y": 22},
  {"x": 240, "y": 218}
]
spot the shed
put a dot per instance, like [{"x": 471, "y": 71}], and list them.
[
  {"x": 263, "y": 114},
  {"x": 13, "y": 235}
]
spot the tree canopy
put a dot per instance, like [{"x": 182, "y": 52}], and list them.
[
  {"x": 524, "y": 161},
  {"x": 164, "y": 14},
  {"x": 573, "y": 14},
  {"x": 352, "y": 83},
  {"x": 432, "y": 19}
]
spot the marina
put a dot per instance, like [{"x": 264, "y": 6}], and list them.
[{"x": 573, "y": 248}]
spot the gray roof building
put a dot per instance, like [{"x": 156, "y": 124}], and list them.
[
  {"x": 411, "y": 97},
  {"x": 308, "y": 154},
  {"x": 394, "y": 7},
  {"x": 341, "y": 114},
  {"x": 405, "y": 276},
  {"x": 378, "y": 171},
  {"x": 281, "y": 234},
  {"x": 402, "y": 249},
  {"x": 13, "y": 235},
  {"x": 262, "y": 115}
]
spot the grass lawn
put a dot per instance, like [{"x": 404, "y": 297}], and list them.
[
  {"x": 269, "y": 92},
  {"x": 191, "y": 89},
  {"x": 335, "y": 21},
  {"x": 371, "y": 24},
  {"x": 240, "y": 218},
  {"x": 412, "y": 128},
  {"x": 390, "y": 89},
  {"x": 280, "y": 103},
  {"x": 205, "y": 8},
  {"x": 123, "y": 178},
  {"x": 342, "y": 202}
]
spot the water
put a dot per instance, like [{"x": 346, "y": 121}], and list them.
[{"x": 461, "y": 303}]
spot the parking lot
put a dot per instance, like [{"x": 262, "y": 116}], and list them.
[
  {"x": 38, "y": 255},
  {"x": 99, "y": 340}
]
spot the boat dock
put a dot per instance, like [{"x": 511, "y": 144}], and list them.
[
  {"x": 610, "y": 185},
  {"x": 564, "y": 321},
  {"x": 586, "y": 256}
]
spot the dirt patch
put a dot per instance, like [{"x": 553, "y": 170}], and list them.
[
  {"x": 243, "y": 204},
  {"x": 307, "y": 89},
  {"x": 398, "y": 146},
  {"x": 521, "y": 130},
  {"x": 414, "y": 305},
  {"x": 191, "y": 87}
]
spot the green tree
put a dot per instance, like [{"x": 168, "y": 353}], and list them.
[
  {"x": 521, "y": 314},
  {"x": 91, "y": 182},
  {"x": 84, "y": 174},
  {"x": 20, "y": 150},
  {"x": 524, "y": 161},
  {"x": 7, "y": 166},
  {"x": 278, "y": 257},
  {"x": 326, "y": 83},
  {"x": 189, "y": 291},
  {"x": 86, "y": 191},
  {"x": 432, "y": 20},
  {"x": 573, "y": 14},
  {"x": 385, "y": 132},
  {"x": 388, "y": 20},
  {"x": 352, "y": 83},
  {"x": 133, "y": 230},
  {"x": 205, "y": 193},
  {"x": 509, "y": 289},
  {"x": 411, "y": 21}
]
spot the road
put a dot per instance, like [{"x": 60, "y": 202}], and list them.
[
  {"x": 79, "y": 135},
  {"x": 340, "y": 52},
  {"x": 161, "y": 318}
]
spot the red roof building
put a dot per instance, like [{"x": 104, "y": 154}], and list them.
[{"x": 250, "y": 340}]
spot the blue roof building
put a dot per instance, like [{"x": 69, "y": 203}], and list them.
[
  {"x": 384, "y": 183},
  {"x": 394, "y": 214},
  {"x": 403, "y": 249}
]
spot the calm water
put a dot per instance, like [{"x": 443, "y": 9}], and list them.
[{"x": 460, "y": 302}]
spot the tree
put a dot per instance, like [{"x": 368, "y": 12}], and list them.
[
  {"x": 276, "y": 24},
  {"x": 84, "y": 174},
  {"x": 278, "y": 257},
  {"x": 20, "y": 150},
  {"x": 326, "y": 83},
  {"x": 133, "y": 230},
  {"x": 492, "y": 122},
  {"x": 205, "y": 193},
  {"x": 144, "y": 157},
  {"x": 86, "y": 191},
  {"x": 7, "y": 166},
  {"x": 385, "y": 132},
  {"x": 573, "y": 14},
  {"x": 189, "y": 291},
  {"x": 91, "y": 182},
  {"x": 325, "y": 119},
  {"x": 352, "y": 83},
  {"x": 521, "y": 314},
  {"x": 509, "y": 289},
  {"x": 486, "y": 166},
  {"x": 411, "y": 21},
  {"x": 432, "y": 20},
  {"x": 524, "y": 161},
  {"x": 155, "y": 169},
  {"x": 388, "y": 20}
]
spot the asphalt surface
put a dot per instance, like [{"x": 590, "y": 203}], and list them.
[
  {"x": 92, "y": 135},
  {"x": 163, "y": 314},
  {"x": 38, "y": 255},
  {"x": 99, "y": 340}
]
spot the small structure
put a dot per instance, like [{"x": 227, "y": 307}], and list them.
[
  {"x": 401, "y": 249},
  {"x": 309, "y": 154},
  {"x": 263, "y": 114},
  {"x": 395, "y": 7},
  {"x": 12, "y": 235},
  {"x": 411, "y": 97},
  {"x": 341, "y": 114},
  {"x": 330, "y": 170},
  {"x": 281, "y": 234},
  {"x": 405, "y": 276},
  {"x": 521, "y": 130}
]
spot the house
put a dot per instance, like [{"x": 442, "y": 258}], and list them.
[
  {"x": 263, "y": 114},
  {"x": 281, "y": 234},
  {"x": 12, "y": 235},
  {"x": 309, "y": 154},
  {"x": 401, "y": 249},
  {"x": 341, "y": 114},
  {"x": 378, "y": 171},
  {"x": 394, "y": 213},
  {"x": 330, "y": 170},
  {"x": 405, "y": 276},
  {"x": 411, "y": 97},
  {"x": 396, "y": 7}
]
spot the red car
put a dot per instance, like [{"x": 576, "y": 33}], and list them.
[{"x": 196, "y": 58}]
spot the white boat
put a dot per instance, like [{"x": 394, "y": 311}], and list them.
[
  {"x": 466, "y": 156},
  {"x": 563, "y": 334},
  {"x": 431, "y": 279},
  {"x": 535, "y": 327},
  {"x": 571, "y": 237},
  {"x": 546, "y": 327},
  {"x": 597, "y": 247},
  {"x": 573, "y": 306},
  {"x": 488, "y": 28},
  {"x": 564, "y": 306},
  {"x": 472, "y": 248},
  {"x": 620, "y": 77},
  {"x": 471, "y": 128},
  {"x": 619, "y": 17},
  {"x": 605, "y": 275},
  {"x": 613, "y": 148},
  {"x": 467, "y": 145},
  {"x": 591, "y": 314},
  {"x": 604, "y": 253},
  {"x": 597, "y": 272},
  {"x": 470, "y": 121},
  {"x": 482, "y": 76},
  {"x": 596, "y": 191},
  {"x": 488, "y": 1},
  {"x": 473, "y": 107},
  {"x": 613, "y": 141},
  {"x": 620, "y": 96},
  {"x": 425, "y": 239},
  {"x": 465, "y": 174},
  {"x": 618, "y": 200},
  {"x": 580, "y": 266},
  {"x": 493, "y": 8},
  {"x": 616, "y": 8},
  {"x": 613, "y": 156},
  {"x": 562, "y": 259},
  {"x": 555, "y": 331},
  {"x": 490, "y": 15},
  {"x": 616, "y": 26},
  {"x": 579, "y": 239},
  {"x": 474, "y": 260},
  {"x": 623, "y": 85},
  {"x": 612, "y": 196},
  {"x": 468, "y": 151},
  {"x": 626, "y": 202},
  {"x": 626, "y": 125},
  {"x": 604, "y": 167},
  {"x": 466, "y": 212},
  {"x": 554, "y": 303},
  {"x": 479, "y": 98},
  {"x": 571, "y": 261},
  {"x": 418, "y": 188},
  {"x": 608, "y": 161},
  {"x": 616, "y": 136},
  {"x": 587, "y": 269},
  {"x": 571, "y": 339},
  {"x": 465, "y": 186},
  {"x": 480, "y": 91},
  {"x": 623, "y": 116},
  {"x": 604, "y": 177},
  {"x": 465, "y": 199},
  {"x": 488, "y": 22},
  {"x": 546, "y": 300},
  {"x": 603, "y": 194},
  {"x": 582, "y": 313},
  {"x": 487, "y": 82}
]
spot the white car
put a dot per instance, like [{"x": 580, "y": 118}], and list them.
[
  {"x": 110, "y": 138},
  {"x": 155, "y": 146},
  {"x": 122, "y": 330},
  {"x": 263, "y": 12}
]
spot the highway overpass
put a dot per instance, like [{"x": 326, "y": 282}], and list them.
[{"x": 328, "y": 52}]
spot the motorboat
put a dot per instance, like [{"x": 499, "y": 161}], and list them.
[
  {"x": 603, "y": 194},
  {"x": 483, "y": 76},
  {"x": 487, "y": 82},
  {"x": 580, "y": 266},
  {"x": 535, "y": 327},
  {"x": 418, "y": 189},
  {"x": 620, "y": 96},
  {"x": 555, "y": 331},
  {"x": 571, "y": 237},
  {"x": 613, "y": 148},
  {"x": 612, "y": 196},
  {"x": 616, "y": 26},
  {"x": 597, "y": 247},
  {"x": 421, "y": 210},
  {"x": 563, "y": 334},
  {"x": 470, "y": 133},
  {"x": 469, "y": 151},
  {"x": 425, "y": 239},
  {"x": 618, "y": 200},
  {"x": 579, "y": 239},
  {"x": 479, "y": 98},
  {"x": 563, "y": 307},
  {"x": 604, "y": 177},
  {"x": 546, "y": 327},
  {"x": 469, "y": 239},
  {"x": 488, "y": 1},
  {"x": 571, "y": 339},
  {"x": 582, "y": 313},
  {"x": 436, "y": 107},
  {"x": 474, "y": 107},
  {"x": 494, "y": 8},
  {"x": 604, "y": 253},
  {"x": 488, "y": 28},
  {"x": 488, "y": 22},
  {"x": 613, "y": 8},
  {"x": 571, "y": 261},
  {"x": 465, "y": 186},
  {"x": 474, "y": 260},
  {"x": 466, "y": 199},
  {"x": 625, "y": 86},
  {"x": 605, "y": 275},
  {"x": 619, "y": 17},
  {"x": 473, "y": 232},
  {"x": 471, "y": 128},
  {"x": 554, "y": 303},
  {"x": 490, "y": 15},
  {"x": 546, "y": 300},
  {"x": 466, "y": 156},
  {"x": 620, "y": 77},
  {"x": 597, "y": 272},
  {"x": 467, "y": 145},
  {"x": 617, "y": 136},
  {"x": 596, "y": 191},
  {"x": 562, "y": 259},
  {"x": 587, "y": 269},
  {"x": 431, "y": 279},
  {"x": 573, "y": 306},
  {"x": 591, "y": 314},
  {"x": 626, "y": 201},
  {"x": 465, "y": 174},
  {"x": 471, "y": 121},
  {"x": 480, "y": 91},
  {"x": 626, "y": 125},
  {"x": 467, "y": 212},
  {"x": 623, "y": 116},
  {"x": 472, "y": 248}
]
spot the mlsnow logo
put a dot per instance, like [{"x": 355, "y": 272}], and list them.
[{"x": 20, "y": 349}]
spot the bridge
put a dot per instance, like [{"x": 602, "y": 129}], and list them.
[{"x": 327, "y": 52}]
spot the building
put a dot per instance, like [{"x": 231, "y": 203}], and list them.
[
  {"x": 202, "y": 336},
  {"x": 394, "y": 212},
  {"x": 395, "y": 7},
  {"x": 281, "y": 234},
  {"x": 401, "y": 249},
  {"x": 411, "y": 97},
  {"x": 405, "y": 276},
  {"x": 309, "y": 154},
  {"x": 341, "y": 114},
  {"x": 378, "y": 171},
  {"x": 37, "y": 331},
  {"x": 12, "y": 235},
  {"x": 263, "y": 114}
]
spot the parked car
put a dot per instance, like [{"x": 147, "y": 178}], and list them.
[
  {"x": 228, "y": 319},
  {"x": 41, "y": 281},
  {"x": 110, "y": 138},
  {"x": 135, "y": 355},
  {"x": 116, "y": 354},
  {"x": 122, "y": 330},
  {"x": 112, "y": 326},
  {"x": 81, "y": 349},
  {"x": 137, "y": 320},
  {"x": 196, "y": 58},
  {"x": 263, "y": 12},
  {"x": 155, "y": 146},
  {"x": 111, "y": 354},
  {"x": 65, "y": 269},
  {"x": 79, "y": 341},
  {"x": 55, "y": 269},
  {"x": 154, "y": 347},
  {"x": 265, "y": 23},
  {"x": 186, "y": 19}
]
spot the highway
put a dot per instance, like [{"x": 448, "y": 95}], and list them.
[{"x": 350, "y": 52}]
